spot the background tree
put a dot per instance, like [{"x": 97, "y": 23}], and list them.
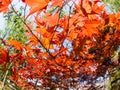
[
  {"x": 14, "y": 30},
  {"x": 114, "y": 5}
]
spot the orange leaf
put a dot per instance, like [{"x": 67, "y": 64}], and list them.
[
  {"x": 86, "y": 5},
  {"x": 3, "y": 56},
  {"x": 16, "y": 44},
  {"x": 37, "y": 5},
  {"x": 98, "y": 9},
  {"x": 57, "y": 3},
  {"x": 90, "y": 28},
  {"x": 43, "y": 32},
  {"x": 52, "y": 20},
  {"x": 72, "y": 35},
  {"x": 4, "y": 5},
  {"x": 83, "y": 7}
]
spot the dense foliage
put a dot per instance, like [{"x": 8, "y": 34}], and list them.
[{"x": 64, "y": 48}]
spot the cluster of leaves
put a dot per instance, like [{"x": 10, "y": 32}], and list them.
[{"x": 64, "y": 50}]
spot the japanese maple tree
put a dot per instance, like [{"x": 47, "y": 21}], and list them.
[{"x": 65, "y": 48}]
